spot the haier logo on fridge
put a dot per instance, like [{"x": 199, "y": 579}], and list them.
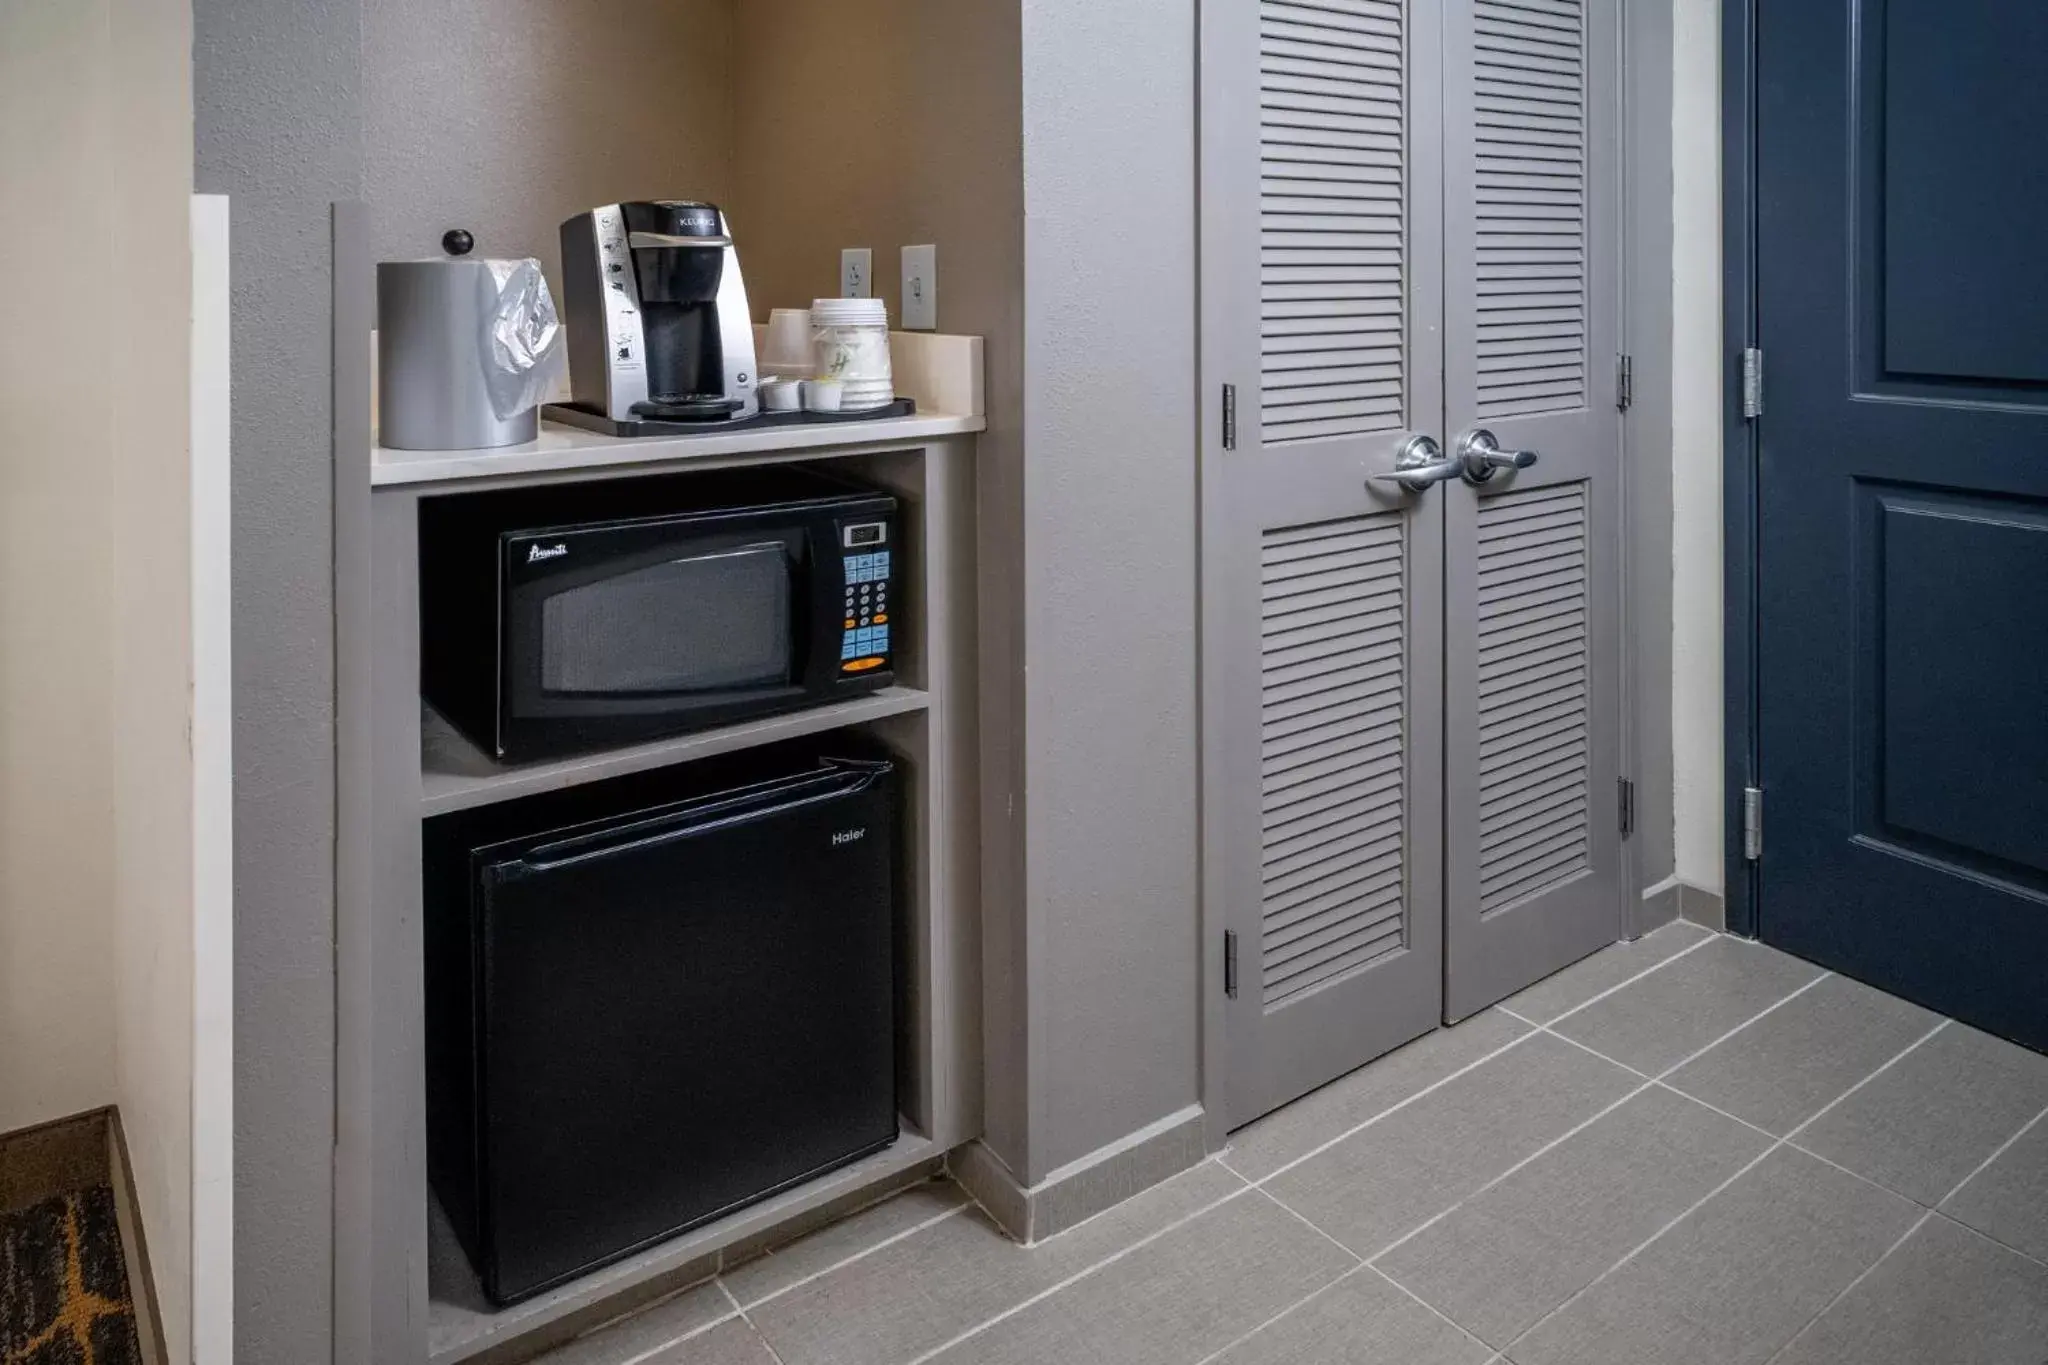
[
  {"x": 849, "y": 836},
  {"x": 536, "y": 553}
]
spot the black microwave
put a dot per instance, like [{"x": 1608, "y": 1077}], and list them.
[{"x": 554, "y": 619}]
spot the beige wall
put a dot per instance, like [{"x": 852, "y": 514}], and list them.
[
  {"x": 149, "y": 174},
  {"x": 95, "y": 772},
  {"x": 56, "y": 569},
  {"x": 919, "y": 141},
  {"x": 1697, "y": 369},
  {"x": 506, "y": 116}
]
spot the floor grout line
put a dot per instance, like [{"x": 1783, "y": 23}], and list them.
[
  {"x": 651, "y": 1352},
  {"x": 1765, "y": 1132},
  {"x": 1630, "y": 981},
  {"x": 1078, "y": 1275},
  {"x": 862, "y": 1254},
  {"x": 1985, "y": 1164},
  {"x": 1303, "y": 1219},
  {"x": 1553, "y": 1144},
  {"x": 1745, "y": 1169},
  {"x": 1500, "y": 1356},
  {"x": 1356, "y": 1129},
  {"x": 1830, "y": 1106},
  {"x": 1432, "y": 1308},
  {"x": 752, "y": 1326},
  {"x": 1662, "y": 1084},
  {"x": 1850, "y": 1287},
  {"x": 1979, "y": 1232},
  {"x": 1238, "y": 1341},
  {"x": 1534, "y": 1027},
  {"x": 1649, "y": 1082},
  {"x": 1689, "y": 1058}
]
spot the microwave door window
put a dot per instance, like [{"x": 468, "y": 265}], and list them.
[{"x": 701, "y": 623}]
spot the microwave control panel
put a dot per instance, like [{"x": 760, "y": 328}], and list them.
[{"x": 864, "y": 638}]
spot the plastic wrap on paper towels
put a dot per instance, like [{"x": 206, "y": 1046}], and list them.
[{"x": 522, "y": 343}]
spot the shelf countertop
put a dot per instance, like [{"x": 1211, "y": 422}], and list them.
[
  {"x": 456, "y": 775},
  {"x": 561, "y": 447}
]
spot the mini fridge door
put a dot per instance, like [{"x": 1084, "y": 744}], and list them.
[{"x": 677, "y": 1015}]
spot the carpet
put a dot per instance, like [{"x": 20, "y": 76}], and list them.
[{"x": 64, "y": 1296}]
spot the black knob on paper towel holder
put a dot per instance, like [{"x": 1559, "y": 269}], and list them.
[{"x": 458, "y": 242}]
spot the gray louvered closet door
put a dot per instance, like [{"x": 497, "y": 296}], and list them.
[
  {"x": 1532, "y": 592},
  {"x": 1322, "y": 593}
]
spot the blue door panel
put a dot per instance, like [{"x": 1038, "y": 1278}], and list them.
[
  {"x": 1963, "y": 125},
  {"x": 1962, "y": 717},
  {"x": 1902, "y": 631}
]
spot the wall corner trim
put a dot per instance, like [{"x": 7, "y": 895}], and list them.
[{"x": 1081, "y": 1189}]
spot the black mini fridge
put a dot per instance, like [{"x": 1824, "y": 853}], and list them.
[{"x": 653, "y": 1001}]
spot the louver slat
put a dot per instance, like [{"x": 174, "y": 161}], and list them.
[
  {"x": 1333, "y": 218},
  {"x": 1333, "y": 760},
  {"x": 1534, "y": 726},
  {"x": 1529, "y": 205}
]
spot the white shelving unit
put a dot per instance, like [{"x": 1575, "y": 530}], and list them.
[{"x": 401, "y": 1287}]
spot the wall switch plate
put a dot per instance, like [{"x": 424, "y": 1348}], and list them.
[
  {"x": 920, "y": 289},
  {"x": 856, "y": 273}
]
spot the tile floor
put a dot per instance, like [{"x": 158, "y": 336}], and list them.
[{"x": 1685, "y": 1149}]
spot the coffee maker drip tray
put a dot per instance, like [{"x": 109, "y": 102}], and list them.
[
  {"x": 687, "y": 407},
  {"x": 650, "y": 418}
]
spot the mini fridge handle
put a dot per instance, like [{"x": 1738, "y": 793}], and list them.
[{"x": 845, "y": 779}]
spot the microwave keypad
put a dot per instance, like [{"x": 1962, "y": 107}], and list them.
[{"x": 866, "y": 634}]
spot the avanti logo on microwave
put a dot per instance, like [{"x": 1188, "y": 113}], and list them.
[{"x": 536, "y": 553}]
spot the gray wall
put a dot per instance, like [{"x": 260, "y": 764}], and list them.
[
  {"x": 507, "y": 116},
  {"x": 1112, "y": 867},
  {"x": 277, "y": 95}
]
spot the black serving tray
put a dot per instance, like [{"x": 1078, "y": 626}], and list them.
[{"x": 571, "y": 414}]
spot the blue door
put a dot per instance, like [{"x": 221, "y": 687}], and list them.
[{"x": 1902, "y": 634}]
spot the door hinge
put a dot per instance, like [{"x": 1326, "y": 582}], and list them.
[
  {"x": 1230, "y": 963},
  {"x": 1230, "y": 417},
  {"x": 1624, "y": 382},
  {"x": 1628, "y": 807},
  {"x": 1752, "y": 823},
  {"x": 1752, "y": 382}
]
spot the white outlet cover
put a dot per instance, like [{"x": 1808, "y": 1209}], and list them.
[
  {"x": 856, "y": 273},
  {"x": 921, "y": 288}
]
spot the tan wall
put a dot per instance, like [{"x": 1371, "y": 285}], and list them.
[
  {"x": 150, "y": 177},
  {"x": 95, "y": 665},
  {"x": 506, "y": 116},
  {"x": 887, "y": 124},
  {"x": 56, "y": 569}
]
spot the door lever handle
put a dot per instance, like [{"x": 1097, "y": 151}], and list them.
[
  {"x": 1421, "y": 463},
  {"x": 1480, "y": 456}
]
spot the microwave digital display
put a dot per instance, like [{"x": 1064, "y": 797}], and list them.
[{"x": 866, "y": 533}]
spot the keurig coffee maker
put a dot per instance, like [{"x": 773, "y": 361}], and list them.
[{"x": 659, "y": 330}]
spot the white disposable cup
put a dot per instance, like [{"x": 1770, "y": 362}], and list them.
[
  {"x": 781, "y": 395},
  {"x": 787, "y": 348},
  {"x": 822, "y": 395}
]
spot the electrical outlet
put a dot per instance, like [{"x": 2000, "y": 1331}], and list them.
[
  {"x": 920, "y": 289},
  {"x": 856, "y": 273}
]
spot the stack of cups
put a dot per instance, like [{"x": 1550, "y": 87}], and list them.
[
  {"x": 850, "y": 343},
  {"x": 787, "y": 354}
]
